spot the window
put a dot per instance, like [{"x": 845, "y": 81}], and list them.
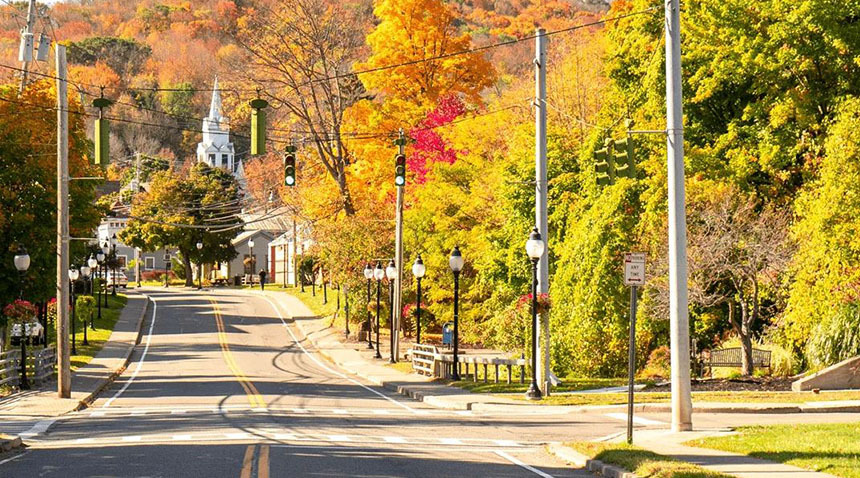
[
  {"x": 223, "y": 160},
  {"x": 212, "y": 159},
  {"x": 149, "y": 263},
  {"x": 121, "y": 261}
]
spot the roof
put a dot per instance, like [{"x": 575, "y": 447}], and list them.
[
  {"x": 282, "y": 240},
  {"x": 276, "y": 221},
  {"x": 245, "y": 235}
]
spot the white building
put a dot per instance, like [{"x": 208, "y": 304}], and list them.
[{"x": 216, "y": 150}]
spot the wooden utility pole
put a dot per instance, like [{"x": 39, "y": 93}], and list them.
[{"x": 64, "y": 378}]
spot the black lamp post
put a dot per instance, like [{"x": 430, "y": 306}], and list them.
[
  {"x": 22, "y": 263},
  {"x": 253, "y": 259},
  {"x": 106, "y": 251},
  {"x": 368, "y": 274},
  {"x": 455, "y": 262},
  {"x": 100, "y": 258},
  {"x": 391, "y": 274},
  {"x": 73, "y": 277},
  {"x": 301, "y": 268},
  {"x": 166, "y": 268},
  {"x": 199, "y": 265},
  {"x": 85, "y": 273},
  {"x": 378, "y": 274},
  {"x": 418, "y": 271},
  {"x": 534, "y": 248},
  {"x": 345, "y": 305},
  {"x": 114, "y": 264}
]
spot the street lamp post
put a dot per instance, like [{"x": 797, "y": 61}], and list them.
[
  {"x": 166, "y": 268},
  {"x": 391, "y": 273},
  {"x": 73, "y": 277},
  {"x": 85, "y": 273},
  {"x": 22, "y": 263},
  {"x": 378, "y": 274},
  {"x": 534, "y": 248},
  {"x": 99, "y": 259},
  {"x": 301, "y": 266},
  {"x": 418, "y": 271},
  {"x": 368, "y": 274},
  {"x": 455, "y": 262},
  {"x": 199, "y": 265},
  {"x": 106, "y": 251},
  {"x": 113, "y": 253},
  {"x": 253, "y": 259}
]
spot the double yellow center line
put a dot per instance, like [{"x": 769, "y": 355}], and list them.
[
  {"x": 251, "y": 391},
  {"x": 261, "y": 453}
]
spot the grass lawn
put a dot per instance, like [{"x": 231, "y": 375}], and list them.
[
  {"x": 723, "y": 397},
  {"x": 642, "y": 462},
  {"x": 98, "y": 337},
  {"x": 829, "y": 448}
]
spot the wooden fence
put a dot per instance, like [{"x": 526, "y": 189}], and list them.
[{"x": 40, "y": 366}]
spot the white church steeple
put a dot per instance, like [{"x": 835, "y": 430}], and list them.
[{"x": 216, "y": 150}]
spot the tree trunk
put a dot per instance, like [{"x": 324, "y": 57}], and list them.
[
  {"x": 189, "y": 274},
  {"x": 745, "y": 335}
]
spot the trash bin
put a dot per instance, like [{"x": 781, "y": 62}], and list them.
[
  {"x": 448, "y": 334},
  {"x": 237, "y": 281}
]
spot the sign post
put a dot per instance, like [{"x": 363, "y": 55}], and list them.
[{"x": 634, "y": 276}]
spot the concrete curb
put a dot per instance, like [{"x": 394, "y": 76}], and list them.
[
  {"x": 90, "y": 398},
  {"x": 9, "y": 443},
  {"x": 581, "y": 461}
]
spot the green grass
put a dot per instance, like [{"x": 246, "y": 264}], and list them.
[
  {"x": 829, "y": 448},
  {"x": 95, "y": 338},
  {"x": 699, "y": 397},
  {"x": 642, "y": 462},
  {"x": 405, "y": 367}
]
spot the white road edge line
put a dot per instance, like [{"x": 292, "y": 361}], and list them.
[
  {"x": 140, "y": 361},
  {"x": 7, "y": 460},
  {"x": 523, "y": 465},
  {"x": 325, "y": 367}
]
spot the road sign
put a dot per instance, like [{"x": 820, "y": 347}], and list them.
[{"x": 634, "y": 268}]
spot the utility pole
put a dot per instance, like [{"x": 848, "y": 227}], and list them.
[
  {"x": 134, "y": 195},
  {"x": 64, "y": 378},
  {"x": 543, "y": 373},
  {"x": 295, "y": 257},
  {"x": 679, "y": 319},
  {"x": 398, "y": 257},
  {"x": 26, "y": 52}
]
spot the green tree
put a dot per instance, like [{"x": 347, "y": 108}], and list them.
[{"x": 182, "y": 211}]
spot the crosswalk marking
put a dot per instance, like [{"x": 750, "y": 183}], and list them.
[
  {"x": 132, "y": 438},
  {"x": 394, "y": 439},
  {"x": 450, "y": 441},
  {"x": 182, "y": 437},
  {"x": 339, "y": 438},
  {"x": 636, "y": 420}
]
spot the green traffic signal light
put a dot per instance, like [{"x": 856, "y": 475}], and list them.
[
  {"x": 400, "y": 170},
  {"x": 290, "y": 170}
]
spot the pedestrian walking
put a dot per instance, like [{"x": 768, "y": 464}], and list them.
[{"x": 262, "y": 279}]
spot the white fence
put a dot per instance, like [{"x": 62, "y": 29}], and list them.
[{"x": 40, "y": 366}]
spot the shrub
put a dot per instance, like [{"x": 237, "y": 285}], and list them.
[
  {"x": 659, "y": 364},
  {"x": 836, "y": 338}
]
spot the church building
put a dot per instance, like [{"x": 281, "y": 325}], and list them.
[{"x": 216, "y": 150}]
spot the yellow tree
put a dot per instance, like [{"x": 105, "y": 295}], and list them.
[{"x": 421, "y": 36}]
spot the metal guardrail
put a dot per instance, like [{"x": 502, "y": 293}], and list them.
[
  {"x": 40, "y": 366},
  {"x": 427, "y": 360}
]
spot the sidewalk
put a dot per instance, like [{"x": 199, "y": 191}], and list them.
[
  {"x": 665, "y": 442},
  {"x": 90, "y": 379}
]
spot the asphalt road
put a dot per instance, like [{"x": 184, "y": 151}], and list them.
[
  {"x": 223, "y": 385},
  {"x": 220, "y": 385}
]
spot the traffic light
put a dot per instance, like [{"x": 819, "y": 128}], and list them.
[
  {"x": 625, "y": 165},
  {"x": 290, "y": 168},
  {"x": 605, "y": 164},
  {"x": 400, "y": 170}
]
